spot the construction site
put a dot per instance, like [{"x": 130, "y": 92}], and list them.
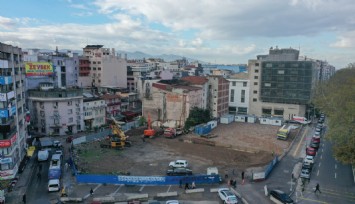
[{"x": 235, "y": 146}]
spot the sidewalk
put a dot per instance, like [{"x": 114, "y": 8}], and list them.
[{"x": 15, "y": 196}]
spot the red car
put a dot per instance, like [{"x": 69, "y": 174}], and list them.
[
  {"x": 311, "y": 151},
  {"x": 315, "y": 140}
]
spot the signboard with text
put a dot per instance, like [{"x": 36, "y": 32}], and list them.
[
  {"x": 38, "y": 69},
  {"x": 7, "y": 143}
]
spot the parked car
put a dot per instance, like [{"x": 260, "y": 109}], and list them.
[
  {"x": 314, "y": 145},
  {"x": 57, "y": 143},
  {"x": 306, "y": 174},
  {"x": 278, "y": 196},
  {"x": 309, "y": 159},
  {"x": 179, "y": 172},
  {"x": 311, "y": 151},
  {"x": 172, "y": 202},
  {"x": 307, "y": 165},
  {"x": 227, "y": 196},
  {"x": 317, "y": 133},
  {"x": 315, "y": 136},
  {"x": 178, "y": 164},
  {"x": 315, "y": 140},
  {"x": 53, "y": 185}
]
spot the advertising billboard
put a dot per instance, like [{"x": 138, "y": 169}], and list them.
[{"x": 38, "y": 69}]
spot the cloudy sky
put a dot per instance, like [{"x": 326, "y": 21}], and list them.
[{"x": 216, "y": 31}]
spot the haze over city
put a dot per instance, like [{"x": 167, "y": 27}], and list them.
[{"x": 225, "y": 32}]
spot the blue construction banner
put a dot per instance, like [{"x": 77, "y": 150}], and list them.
[{"x": 147, "y": 180}]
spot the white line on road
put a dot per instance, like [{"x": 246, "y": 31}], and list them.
[
  {"x": 335, "y": 175},
  {"x": 318, "y": 173},
  {"x": 323, "y": 145},
  {"x": 321, "y": 156},
  {"x": 168, "y": 189},
  {"x": 118, "y": 189},
  {"x": 98, "y": 186},
  {"x": 335, "y": 166},
  {"x": 140, "y": 190},
  {"x": 322, "y": 149},
  {"x": 319, "y": 164}
]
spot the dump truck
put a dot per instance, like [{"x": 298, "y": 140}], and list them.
[
  {"x": 172, "y": 132},
  {"x": 284, "y": 131}
]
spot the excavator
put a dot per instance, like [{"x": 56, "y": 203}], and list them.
[
  {"x": 117, "y": 140},
  {"x": 150, "y": 132}
]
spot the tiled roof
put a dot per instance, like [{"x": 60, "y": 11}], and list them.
[
  {"x": 197, "y": 80},
  {"x": 240, "y": 75},
  {"x": 110, "y": 96}
]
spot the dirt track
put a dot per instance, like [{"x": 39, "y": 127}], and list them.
[{"x": 152, "y": 157}]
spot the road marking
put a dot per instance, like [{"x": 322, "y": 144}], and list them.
[
  {"x": 319, "y": 164},
  {"x": 118, "y": 189},
  {"x": 299, "y": 144},
  {"x": 335, "y": 166},
  {"x": 335, "y": 175},
  {"x": 317, "y": 201},
  {"x": 141, "y": 189},
  {"x": 98, "y": 186},
  {"x": 318, "y": 173},
  {"x": 321, "y": 156},
  {"x": 168, "y": 189},
  {"x": 322, "y": 149}
]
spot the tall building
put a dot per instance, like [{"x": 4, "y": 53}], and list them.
[
  {"x": 13, "y": 126},
  {"x": 105, "y": 69},
  {"x": 281, "y": 84},
  {"x": 218, "y": 94}
]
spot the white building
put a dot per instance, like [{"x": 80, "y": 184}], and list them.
[
  {"x": 239, "y": 94},
  {"x": 94, "y": 112}
]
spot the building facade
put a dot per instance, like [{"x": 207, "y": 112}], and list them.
[
  {"x": 239, "y": 94},
  {"x": 113, "y": 104},
  {"x": 94, "y": 113},
  {"x": 280, "y": 84},
  {"x": 56, "y": 111},
  {"x": 218, "y": 95},
  {"x": 13, "y": 126}
]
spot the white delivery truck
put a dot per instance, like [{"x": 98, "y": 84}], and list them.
[
  {"x": 43, "y": 155},
  {"x": 301, "y": 120}
]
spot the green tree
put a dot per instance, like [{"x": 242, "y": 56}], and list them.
[
  {"x": 336, "y": 98},
  {"x": 197, "y": 116}
]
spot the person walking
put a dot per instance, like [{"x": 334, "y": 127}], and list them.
[
  {"x": 317, "y": 188},
  {"x": 242, "y": 177},
  {"x": 91, "y": 192},
  {"x": 186, "y": 186},
  {"x": 193, "y": 186},
  {"x": 24, "y": 198}
]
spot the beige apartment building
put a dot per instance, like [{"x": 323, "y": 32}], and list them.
[{"x": 218, "y": 95}]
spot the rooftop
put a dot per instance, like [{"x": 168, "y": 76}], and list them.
[{"x": 196, "y": 80}]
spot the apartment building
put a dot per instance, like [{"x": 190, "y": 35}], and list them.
[
  {"x": 105, "y": 69},
  {"x": 94, "y": 112},
  {"x": 202, "y": 82},
  {"x": 280, "y": 84},
  {"x": 56, "y": 111},
  {"x": 113, "y": 104},
  {"x": 218, "y": 95},
  {"x": 239, "y": 94},
  {"x": 13, "y": 127}
]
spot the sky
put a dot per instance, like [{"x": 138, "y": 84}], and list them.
[{"x": 214, "y": 31}]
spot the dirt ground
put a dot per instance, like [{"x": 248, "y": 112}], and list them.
[{"x": 238, "y": 147}]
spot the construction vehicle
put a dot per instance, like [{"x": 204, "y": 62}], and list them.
[
  {"x": 117, "y": 140},
  {"x": 172, "y": 132},
  {"x": 150, "y": 132}
]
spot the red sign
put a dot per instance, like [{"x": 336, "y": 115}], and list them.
[{"x": 7, "y": 143}]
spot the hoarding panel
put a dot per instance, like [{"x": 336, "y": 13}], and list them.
[{"x": 38, "y": 69}]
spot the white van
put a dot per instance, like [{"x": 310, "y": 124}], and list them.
[
  {"x": 43, "y": 155},
  {"x": 53, "y": 185}
]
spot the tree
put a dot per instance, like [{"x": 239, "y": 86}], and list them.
[
  {"x": 336, "y": 98},
  {"x": 197, "y": 116}
]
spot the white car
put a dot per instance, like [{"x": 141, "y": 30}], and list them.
[
  {"x": 53, "y": 185},
  {"x": 172, "y": 202},
  {"x": 227, "y": 196},
  {"x": 309, "y": 159},
  {"x": 178, "y": 164}
]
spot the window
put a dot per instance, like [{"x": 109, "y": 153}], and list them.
[
  {"x": 268, "y": 65},
  {"x": 70, "y": 103},
  {"x": 70, "y": 120},
  {"x": 256, "y": 77},
  {"x": 70, "y": 111},
  {"x": 255, "y": 91},
  {"x": 267, "y": 84},
  {"x": 242, "y": 110},
  {"x": 257, "y": 64},
  {"x": 256, "y": 71},
  {"x": 281, "y": 72},
  {"x": 232, "y": 96},
  {"x": 242, "y": 96},
  {"x": 99, "y": 68},
  {"x": 245, "y": 84},
  {"x": 279, "y": 112},
  {"x": 234, "y": 83},
  {"x": 255, "y": 100},
  {"x": 255, "y": 83}
]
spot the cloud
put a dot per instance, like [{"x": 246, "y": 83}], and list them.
[
  {"x": 83, "y": 14},
  {"x": 79, "y": 6},
  {"x": 346, "y": 40},
  {"x": 7, "y": 23}
]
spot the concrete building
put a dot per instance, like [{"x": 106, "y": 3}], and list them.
[
  {"x": 56, "y": 111},
  {"x": 218, "y": 93},
  {"x": 13, "y": 126},
  {"x": 65, "y": 68},
  {"x": 94, "y": 112},
  {"x": 202, "y": 82},
  {"x": 106, "y": 69},
  {"x": 239, "y": 93},
  {"x": 280, "y": 84},
  {"x": 113, "y": 104},
  {"x": 171, "y": 103}
]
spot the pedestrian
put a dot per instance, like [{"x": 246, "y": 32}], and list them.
[
  {"x": 186, "y": 186},
  {"x": 66, "y": 166},
  {"x": 242, "y": 177},
  {"x": 317, "y": 188},
  {"x": 24, "y": 198},
  {"x": 91, "y": 192},
  {"x": 193, "y": 186},
  {"x": 234, "y": 184},
  {"x": 231, "y": 182},
  {"x": 143, "y": 138},
  {"x": 180, "y": 183},
  {"x": 226, "y": 174}
]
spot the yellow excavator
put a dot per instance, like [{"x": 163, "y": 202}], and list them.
[{"x": 117, "y": 140}]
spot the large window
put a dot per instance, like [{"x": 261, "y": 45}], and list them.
[
  {"x": 266, "y": 111},
  {"x": 242, "y": 96},
  {"x": 232, "y": 95}
]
